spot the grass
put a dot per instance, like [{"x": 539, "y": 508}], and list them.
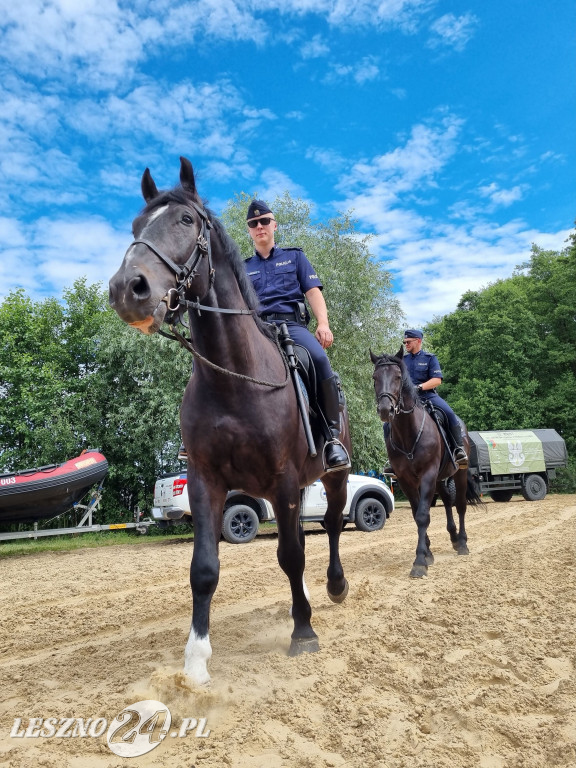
[{"x": 74, "y": 541}]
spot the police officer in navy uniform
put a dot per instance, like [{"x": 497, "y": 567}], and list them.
[
  {"x": 426, "y": 375},
  {"x": 282, "y": 277}
]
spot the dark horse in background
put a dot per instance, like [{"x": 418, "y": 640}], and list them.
[
  {"x": 239, "y": 416},
  {"x": 419, "y": 457}
]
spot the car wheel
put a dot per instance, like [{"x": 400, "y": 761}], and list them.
[
  {"x": 534, "y": 488},
  {"x": 370, "y": 515},
  {"x": 240, "y": 524},
  {"x": 501, "y": 495}
]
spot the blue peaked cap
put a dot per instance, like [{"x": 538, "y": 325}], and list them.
[
  {"x": 257, "y": 208},
  {"x": 413, "y": 333}
]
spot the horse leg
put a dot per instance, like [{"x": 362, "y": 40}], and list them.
[
  {"x": 450, "y": 523},
  {"x": 291, "y": 559},
  {"x": 461, "y": 543},
  {"x": 204, "y": 574},
  {"x": 421, "y": 513},
  {"x": 336, "y": 585},
  {"x": 458, "y": 536}
]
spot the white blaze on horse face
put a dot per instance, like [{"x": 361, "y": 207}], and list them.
[
  {"x": 198, "y": 652},
  {"x": 153, "y": 216}
]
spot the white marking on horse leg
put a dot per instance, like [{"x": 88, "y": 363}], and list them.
[
  {"x": 198, "y": 652},
  {"x": 306, "y": 594}
]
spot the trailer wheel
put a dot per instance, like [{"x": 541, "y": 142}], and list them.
[
  {"x": 501, "y": 495},
  {"x": 534, "y": 488}
]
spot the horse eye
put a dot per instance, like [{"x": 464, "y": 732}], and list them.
[{"x": 187, "y": 219}]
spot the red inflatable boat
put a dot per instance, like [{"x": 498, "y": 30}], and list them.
[{"x": 44, "y": 492}]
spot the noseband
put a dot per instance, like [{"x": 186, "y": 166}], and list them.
[
  {"x": 397, "y": 402},
  {"x": 186, "y": 274},
  {"x": 176, "y": 301}
]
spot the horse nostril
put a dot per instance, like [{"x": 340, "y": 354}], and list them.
[{"x": 140, "y": 287}]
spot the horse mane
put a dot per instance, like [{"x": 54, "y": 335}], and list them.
[{"x": 230, "y": 250}]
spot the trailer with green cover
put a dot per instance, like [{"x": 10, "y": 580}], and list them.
[{"x": 521, "y": 461}]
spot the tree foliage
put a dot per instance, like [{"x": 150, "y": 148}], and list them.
[
  {"x": 509, "y": 351},
  {"x": 362, "y": 310},
  {"x": 73, "y": 376}
]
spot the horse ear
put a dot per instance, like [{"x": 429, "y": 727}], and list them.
[
  {"x": 374, "y": 357},
  {"x": 187, "y": 175},
  {"x": 149, "y": 189},
  {"x": 400, "y": 352}
]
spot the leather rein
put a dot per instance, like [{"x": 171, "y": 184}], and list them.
[
  {"x": 397, "y": 408},
  {"x": 178, "y": 305}
]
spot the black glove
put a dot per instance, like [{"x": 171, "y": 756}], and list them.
[{"x": 419, "y": 389}]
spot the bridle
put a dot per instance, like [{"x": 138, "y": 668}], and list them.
[
  {"x": 187, "y": 273},
  {"x": 178, "y": 305},
  {"x": 398, "y": 408},
  {"x": 397, "y": 402}
]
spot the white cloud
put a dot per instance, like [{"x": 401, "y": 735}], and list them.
[
  {"x": 433, "y": 273},
  {"x": 403, "y": 14},
  {"x": 503, "y": 197},
  {"x": 361, "y": 71},
  {"x": 435, "y": 260},
  {"x": 47, "y": 256},
  {"x": 328, "y": 159},
  {"x": 274, "y": 183},
  {"x": 314, "y": 48},
  {"x": 453, "y": 31},
  {"x": 100, "y": 42},
  {"x": 409, "y": 166}
]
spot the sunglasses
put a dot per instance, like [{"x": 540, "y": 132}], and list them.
[{"x": 264, "y": 221}]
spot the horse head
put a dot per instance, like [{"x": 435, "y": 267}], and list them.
[
  {"x": 390, "y": 382},
  {"x": 170, "y": 255}
]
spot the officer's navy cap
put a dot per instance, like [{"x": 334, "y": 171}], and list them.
[
  {"x": 257, "y": 208},
  {"x": 413, "y": 333}
]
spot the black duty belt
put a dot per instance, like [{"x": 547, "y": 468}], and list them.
[{"x": 281, "y": 317}]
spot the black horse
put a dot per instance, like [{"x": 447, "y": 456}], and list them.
[
  {"x": 239, "y": 416},
  {"x": 419, "y": 457}
]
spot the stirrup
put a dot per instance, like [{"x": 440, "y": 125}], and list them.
[
  {"x": 345, "y": 465},
  {"x": 460, "y": 457}
]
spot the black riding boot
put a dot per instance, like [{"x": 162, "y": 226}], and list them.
[
  {"x": 335, "y": 455},
  {"x": 460, "y": 456}
]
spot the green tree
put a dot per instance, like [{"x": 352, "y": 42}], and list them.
[
  {"x": 73, "y": 376},
  {"x": 362, "y": 309},
  {"x": 134, "y": 411},
  {"x": 508, "y": 352},
  {"x": 489, "y": 348}
]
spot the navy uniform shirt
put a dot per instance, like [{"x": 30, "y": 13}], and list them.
[
  {"x": 421, "y": 367},
  {"x": 282, "y": 279}
]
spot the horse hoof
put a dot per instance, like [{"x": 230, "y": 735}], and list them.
[
  {"x": 303, "y": 645},
  {"x": 342, "y": 596},
  {"x": 463, "y": 550},
  {"x": 418, "y": 571}
]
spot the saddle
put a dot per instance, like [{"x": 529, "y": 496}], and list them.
[
  {"x": 307, "y": 380},
  {"x": 441, "y": 421}
]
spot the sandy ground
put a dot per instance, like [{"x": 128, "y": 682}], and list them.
[{"x": 472, "y": 666}]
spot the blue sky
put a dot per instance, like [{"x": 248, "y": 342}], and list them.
[{"x": 446, "y": 127}]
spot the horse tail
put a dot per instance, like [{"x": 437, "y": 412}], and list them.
[{"x": 472, "y": 495}]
